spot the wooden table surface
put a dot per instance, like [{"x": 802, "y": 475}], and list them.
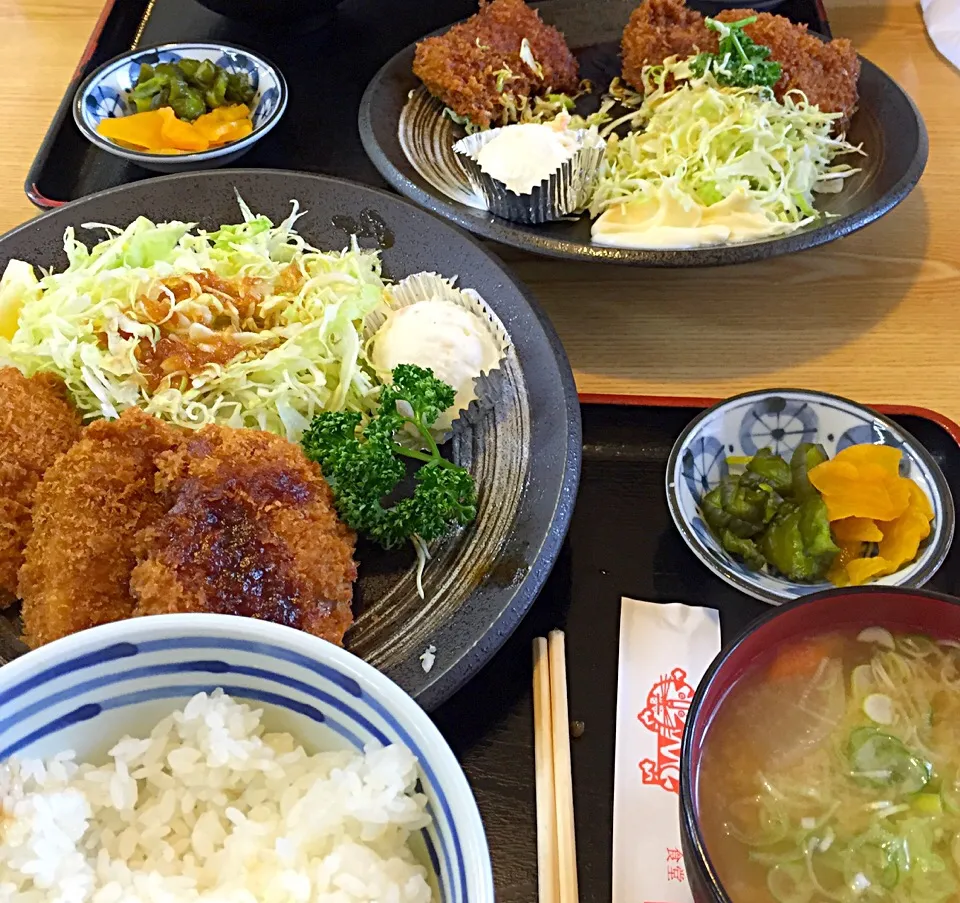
[{"x": 875, "y": 316}]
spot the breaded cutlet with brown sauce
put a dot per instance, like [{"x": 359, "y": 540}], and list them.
[
  {"x": 250, "y": 529},
  {"x": 465, "y": 67}
]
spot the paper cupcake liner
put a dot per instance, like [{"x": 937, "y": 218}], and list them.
[
  {"x": 566, "y": 192},
  {"x": 487, "y": 387}
]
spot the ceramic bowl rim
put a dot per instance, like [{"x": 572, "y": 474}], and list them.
[
  {"x": 197, "y": 156},
  {"x": 943, "y": 531},
  {"x": 689, "y": 818},
  {"x": 467, "y": 821}
]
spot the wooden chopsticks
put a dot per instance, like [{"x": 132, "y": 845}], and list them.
[{"x": 556, "y": 843}]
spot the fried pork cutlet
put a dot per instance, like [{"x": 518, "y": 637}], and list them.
[
  {"x": 658, "y": 29},
  {"x": 37, "y": 425},
  {"x": 463, "y": 66},
  {"x": 87, "y": 512},
  {"x": 250, "y": 530},
  {"x": 827, "y": 73}
]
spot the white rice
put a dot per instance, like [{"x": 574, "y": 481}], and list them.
[{"x": 212, "y": 808}]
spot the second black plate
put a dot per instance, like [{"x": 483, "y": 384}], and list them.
[{"x": 887, "y": 124}]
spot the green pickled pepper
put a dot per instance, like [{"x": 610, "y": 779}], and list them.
[
  {"x": 818, "y": 542},
  {"x": 744, "y": 549},
  {"x": 146, "y": 95},
  {"x": 750, "y": 502},
  {"x": 773, "y": 469},
  {"x": 798, "y": 542},
  {"x": 239, "y": 88},
  {"x": 187, "y": 102},
  {"x": 782, "y": 545},
  {"x": 190, "y": 87},
  {"x": 713, "y": 512},
  {"x": 804, "y": 459},
  {"x": 772, "y": 515},
  {"x": 216, "y": 94}
]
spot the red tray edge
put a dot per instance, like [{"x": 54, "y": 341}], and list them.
[{"x": 680, "y": 401}]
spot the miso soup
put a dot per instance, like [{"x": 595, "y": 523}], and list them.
[{"x": 830, "y": 773}]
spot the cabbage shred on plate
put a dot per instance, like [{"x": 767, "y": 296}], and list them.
[
  {"x": 247, "y": 326},
  {"x": 702, "y": 141}
]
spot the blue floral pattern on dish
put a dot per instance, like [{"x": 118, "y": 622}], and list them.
[
  {"x": 704, "y": 465},
  {"x": 105, "y": 103},
  {"x": 108, "y": 686},
  {"x": 268, "y": 103},
  {"x": 780, "y": 421},
  {"x": 778, "y": 424}
]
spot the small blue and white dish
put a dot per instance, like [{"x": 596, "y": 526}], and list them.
[
  {"x": 781, "y": 419},
  {"x": 87, "y": 691},
  {"x": 103, "y": 95}
]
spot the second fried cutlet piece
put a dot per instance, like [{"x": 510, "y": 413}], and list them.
[
  {"x": 463, "y": 66},
  {"x": 826, "y": 72},
  {"x": 37, "y": 425},
  {"x": 87, "y": 512},
  {"x": 251, "y": 530}
]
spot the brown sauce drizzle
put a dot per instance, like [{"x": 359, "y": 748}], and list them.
[
  {"x": 176, "y": 356},
  {"x": 222, "y": 547}
]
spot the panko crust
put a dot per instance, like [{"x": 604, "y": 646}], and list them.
[
  {"x": 658, "y": 29},
  {"x": 250, "y": 530},
  {"x": 88, "y": 510},
  {"x": 462, "y": 66},
  {"x": 826, "y": 72},
  {"x": 37, "y": 425}
]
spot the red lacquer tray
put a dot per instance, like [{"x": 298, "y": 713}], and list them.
[{"x": 621, "y": 542}]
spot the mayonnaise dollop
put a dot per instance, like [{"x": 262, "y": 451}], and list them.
[
  {"x": 522, "y": 156},
  {"x": 452, "y": 341},
  {"x": 665, "y": 221}
]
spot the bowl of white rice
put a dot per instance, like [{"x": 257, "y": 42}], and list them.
[{"x": 209, "y": 758}]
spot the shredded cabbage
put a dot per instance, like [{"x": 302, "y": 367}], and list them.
[
  {"x": 521, "y": 109},
  {"x": 285, "y": 316},
  {"x": 702, "y": 142}
]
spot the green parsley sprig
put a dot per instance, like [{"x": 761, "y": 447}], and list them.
[
  {"x": 364, "y": 465},
  {"x": 739, "y": 62}
]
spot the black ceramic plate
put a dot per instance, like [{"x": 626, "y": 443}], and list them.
[
  {"x": 525, "y": 453},
  {"x": 407, "y": 146}
]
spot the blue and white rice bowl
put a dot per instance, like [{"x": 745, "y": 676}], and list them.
[
  {"x": 782, "y": 419},
  {"x": 87, "y": 691},
  {"x": 103, "y": 95}
]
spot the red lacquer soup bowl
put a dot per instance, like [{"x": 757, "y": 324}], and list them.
[{"x": 898, "y": 610}]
